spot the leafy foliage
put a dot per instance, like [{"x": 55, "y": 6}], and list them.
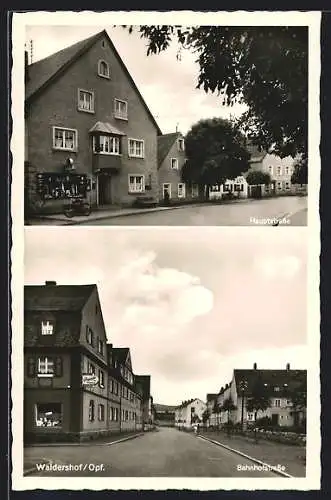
[
  {"x": 205, "y": 416},
  {"x": 265, "y": 67},
  {"x": 300, "y": 173},
  {"x": 215, "y": 152},
  {"x": 259, "y": 399},
  {"x": 257, "y": 177}
]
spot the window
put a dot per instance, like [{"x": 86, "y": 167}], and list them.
[
  {"x": 111, "y": 413},
  {"x": 89, "y": 336},
  {"x": 287, "y": 185},
  {"x": 116, "y": 388},
  {"x": 192, "y": 409},
  {"x": 195, "y": 190},
  {"x": 91, "y": 411},
  {"x": 90, "y": 368},
  {"x": 47, "y": 328},
  {"x": 136, "y": 183},
  {"x": 287, "y": 170},
  {"x": 181, "y": 190},
  {"x": 101, "y": 412},
  {"x": 103, "y": 69},
  {"x": 48, "y": 414},
  {"x": 100, "y": 346},
  {"x": 270, "y": 169},
  {"x": 85, "y": 101},
  {"x": 136, "y": 148},
  {"x": 174, "y": 163},
  {"x": 276, "y": 389},
  {"x": 250, "y": 416},
  {"x": 116, "y": 414},
  {"x": 181, "y": 145},
  {"x": 279, "y": 184},
  {"x": 64, "y": 139},
  {"x": 101, "y": 379},
  {"x": 126, "y": 415},
  {"x": 277, "y": 403},
  {"x": 106, "y": 145},
  {"x": 279, "y": 170},
  {"x": 45, "y": 367},
  {"x": 120, "y": 109}
]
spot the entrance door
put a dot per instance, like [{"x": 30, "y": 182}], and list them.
[
  {"x": 274, "y": 418},
  {"x": 104, "y": 189},
  {"x": 167, "y": 191}
]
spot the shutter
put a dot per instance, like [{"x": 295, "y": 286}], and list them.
[
  {"x": 31, "y": 367},
  {"x": 58, "y": 368}
]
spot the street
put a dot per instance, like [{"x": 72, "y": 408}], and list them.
[
  {"x": 242, "y": 213},
  {"x": 167, "y": 452}
]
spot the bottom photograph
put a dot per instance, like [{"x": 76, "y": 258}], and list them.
[{"x": 172, "y": 352}]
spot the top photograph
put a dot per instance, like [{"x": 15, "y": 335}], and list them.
[{"x": 144, "y": 125}]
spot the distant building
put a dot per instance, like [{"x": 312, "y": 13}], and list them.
[
  {"x": 164, "y": 415},
  {"x": 189, "y": 413},
  {"x": 143, "y": 387},
  {"x": 171, "y": 158}
]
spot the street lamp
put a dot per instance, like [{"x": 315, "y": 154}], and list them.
[{"x": 243, "y": 384}]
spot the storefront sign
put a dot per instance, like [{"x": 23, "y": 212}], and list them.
[{"x": 89, "y": 379}]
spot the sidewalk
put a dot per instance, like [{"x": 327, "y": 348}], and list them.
[
  {"x": 271, "y": 453},
  {"x": 124, "y": 436},
  {"x": 111, "y": 212}
]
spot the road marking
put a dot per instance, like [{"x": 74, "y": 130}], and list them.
[{"x": 259, "y": 462}]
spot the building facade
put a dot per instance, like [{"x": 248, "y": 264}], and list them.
[
  {"x": 189, "y": 413},
  {"x": 88, "y": 130},
  {"x": 171, "y": 158},
  {"x": 76, "y": 385}
]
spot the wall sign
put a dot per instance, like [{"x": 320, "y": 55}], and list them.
[{"x": 89, "y": 379}]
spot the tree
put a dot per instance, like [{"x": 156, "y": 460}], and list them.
[
  {"x": 259, "y": 399},
  {"x": 265, "y": 67},
  {"x": 300, "y": 173},
  {"x": 228, "y": 406},
  {"x": 205, "y": 416},
  {"x": 215, "y": 152},
  {"x": 257, "y": 177},
  {"x": 297, "y": 394}
]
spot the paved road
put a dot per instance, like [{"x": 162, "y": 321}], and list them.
[
  {"x": 244, "y": 213},
  {"x": 167, "y": 453}
]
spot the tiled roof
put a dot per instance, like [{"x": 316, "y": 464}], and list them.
[
  {"x": 106, "y": 128},
  {"x": 43, "y": 72},
  {"x": 166, "y": 408},
  {"x": 164, "y": 144},
  {"x": 56, "y": 297},
  {"x": 284, "y": 379}
]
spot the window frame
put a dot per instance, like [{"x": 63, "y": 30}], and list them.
[
  {"x": 101, "y": 412},
  {"x": 48, "y": 324},
  {"x": 183, "y": 187},
  {"x": 47, "y": 360},
  {"x": 101, "y": 377},
  {"x": 92, "y": 93},
  {"x": 135, "y": 191},
  {"x": 181, "y": 140},
  {"x": 64, "y": 129},
  {"x": 118, "y": 115},
  {"x": 116, "y": 141},
  {"x": 176, "y": 163},
  {"x": 142, "y": 141},
  {"x": 91, "y": 409},
  {"x": 108, "y": 70}
]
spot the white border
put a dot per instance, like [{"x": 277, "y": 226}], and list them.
[{"x": 239, "y": 18}]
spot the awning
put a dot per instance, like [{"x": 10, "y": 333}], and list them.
[{"x": 105, "y": 128}]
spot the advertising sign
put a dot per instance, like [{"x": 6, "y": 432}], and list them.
[{"x": 89, "y": 379}]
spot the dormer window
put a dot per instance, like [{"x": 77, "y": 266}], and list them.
[
  {"x": 47, "y": 327},
  {"x": 181, "y": 144},
  {"x": 103, "y": 69}
]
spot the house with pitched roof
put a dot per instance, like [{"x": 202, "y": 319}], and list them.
[
  {"x": 189, "y": 413},
  {"x": 65, "y": 362},
  {"x": 88, "y": 131},
  {"x": 76, "y": 385},
  {"x": 171, "y": 158}
]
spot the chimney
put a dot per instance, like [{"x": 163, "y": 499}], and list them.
[
  {"x": 288, "y": 366},
  {"x": 255, "y": 366},
  {"x": 50, "y": 283},
  {"x": 26, "y": 65}
]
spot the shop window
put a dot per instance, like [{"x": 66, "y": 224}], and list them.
[
  {"x": 65, "y": 139},
  {"x": 52, "y": 186},
  {"x": 103, "y": 69},
  {"x": 91, "y": 411},
  {"x": 47, "y": 328},
  {"x": 49, "y": 415}
]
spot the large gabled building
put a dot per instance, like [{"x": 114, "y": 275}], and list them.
[{"x": 88, "y": 131}]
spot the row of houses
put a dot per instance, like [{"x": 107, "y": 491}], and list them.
[
  {"x": 277, "y": 387},
  {"x": 77, "y": 385},
  {"x": 231, "y": 403},
  {"x": 89, "y": 133}
]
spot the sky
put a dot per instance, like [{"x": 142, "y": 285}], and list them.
[
  {"x": 192, "y": 307},
  {"x": 166, "y": 84}
]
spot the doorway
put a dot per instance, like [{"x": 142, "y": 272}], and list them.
[
  {"x": 166, "y": 191},
  {"x": 104, "y": 189},
  {"x": 275, "y": 419}
]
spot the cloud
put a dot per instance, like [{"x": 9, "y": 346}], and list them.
[{"x": 285, "y": 266}]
